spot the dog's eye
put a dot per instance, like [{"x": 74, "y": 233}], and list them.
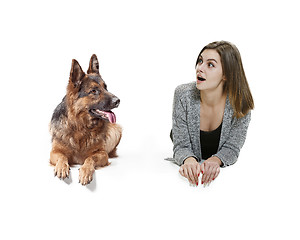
[{"x": 94, "y": 91}]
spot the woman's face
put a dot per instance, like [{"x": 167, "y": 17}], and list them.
[{"x": 209, "y": 72}]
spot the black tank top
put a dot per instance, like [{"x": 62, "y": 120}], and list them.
[{"x": 210, "y": 142}]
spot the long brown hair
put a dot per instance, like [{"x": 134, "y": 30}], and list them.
[{"x": 236, "y": 85}]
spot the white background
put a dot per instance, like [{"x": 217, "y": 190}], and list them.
[{"x": 146, "y": 49}]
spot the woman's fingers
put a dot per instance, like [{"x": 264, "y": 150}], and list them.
[
  {"x": 209, "y": 169},
  {"x": 185, "y": 172},
  {"x": 181, "y": 171},
  {"x": 207, "y": 173},
  {"x": 215, "y": 175},
  {"x": 195, "y": 173},
  {"x": 192, "y": 174},
  {"x": 202, "y": 168},
  {"x": 210, "y": 172},
  {"x": 190, "y": 171},
  {"x": 198, "y": 170}
]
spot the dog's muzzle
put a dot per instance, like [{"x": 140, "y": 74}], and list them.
[{"x": 115, "y": 102}]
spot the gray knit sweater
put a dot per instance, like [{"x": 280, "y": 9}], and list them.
[{"x": 186, "y": 128}]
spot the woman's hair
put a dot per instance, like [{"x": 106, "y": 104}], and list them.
[{"x": 235, "y": 85}]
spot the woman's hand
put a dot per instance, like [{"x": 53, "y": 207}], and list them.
[
  {"x": 210, "y": 169},
  {"x": 191, "y": 170}
]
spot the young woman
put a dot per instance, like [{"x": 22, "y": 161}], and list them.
[{"x": 211, "y": 116}]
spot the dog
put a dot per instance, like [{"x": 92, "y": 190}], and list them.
[{"x": 83, "y": 127}]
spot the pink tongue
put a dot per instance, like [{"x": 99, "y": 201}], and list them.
[{"x": 111, "y": 117}]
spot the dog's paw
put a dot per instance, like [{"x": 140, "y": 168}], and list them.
[
  {"x": 61, "y": 170},
  {"x": 86, "y": 174}
]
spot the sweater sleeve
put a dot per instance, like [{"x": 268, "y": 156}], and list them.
[
  {"x": 182, "y": 147},
  {"x": 229, "y": 152}
]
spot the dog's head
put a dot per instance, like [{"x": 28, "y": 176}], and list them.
[{"x": 87, "y": 94}]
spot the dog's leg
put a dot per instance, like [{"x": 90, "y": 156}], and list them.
[
  {"x": 59, "y": 159},
  {"x": 99, "y": 159},
  {"x": 60, "y": 163},
  {"x": 113, "y": 138},
  {"x": 113, "y": 153}
]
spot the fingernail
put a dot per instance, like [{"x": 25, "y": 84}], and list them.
[
  {"x": 197, "y": 184},
  {"x": 201, "y": 182}
]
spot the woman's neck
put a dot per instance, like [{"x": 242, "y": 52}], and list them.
[{"x": 212, "y": 98}]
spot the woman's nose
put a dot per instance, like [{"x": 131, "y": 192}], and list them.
[{"x": 199, "y": 68}]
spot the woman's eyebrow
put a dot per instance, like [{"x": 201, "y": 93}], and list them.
[{"x": 211, "y": 59}]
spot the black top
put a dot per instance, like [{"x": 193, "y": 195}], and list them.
[{"x": 210, "y": 142}]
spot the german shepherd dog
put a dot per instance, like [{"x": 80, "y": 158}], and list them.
[{"x": 83, "y": 127}]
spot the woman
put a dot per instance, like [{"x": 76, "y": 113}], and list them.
[{"x": 211, "y": 116}]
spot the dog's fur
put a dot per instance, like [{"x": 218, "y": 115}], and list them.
[{"x": 79, "y": 134}]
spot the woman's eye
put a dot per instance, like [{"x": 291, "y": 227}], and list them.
[
  {"x": 210, "y": 65},
  {"x": 200, "y": 61}
]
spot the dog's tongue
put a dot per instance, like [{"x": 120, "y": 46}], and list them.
[{"x": 110, "y": 116}]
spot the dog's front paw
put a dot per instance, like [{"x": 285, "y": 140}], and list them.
[
  {"x": 86, "y": 174},
  {"x": 61, "y": 170}
]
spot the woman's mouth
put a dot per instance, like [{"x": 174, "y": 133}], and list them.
[{"x": 201, "y": 79}]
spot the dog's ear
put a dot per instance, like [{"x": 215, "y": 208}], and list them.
[
  {"x": 76, "y": 74},
  {"x": 94, "y": 65}
]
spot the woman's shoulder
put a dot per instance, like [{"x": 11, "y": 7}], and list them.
[{"x": 186, "y": 89}]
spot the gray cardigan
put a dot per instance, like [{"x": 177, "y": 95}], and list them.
[{"x": 186, "y": 128}]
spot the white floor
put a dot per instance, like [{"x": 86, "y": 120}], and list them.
[
  {"x": 140, "y": 195},
  {"x": 145, "y": 51}
]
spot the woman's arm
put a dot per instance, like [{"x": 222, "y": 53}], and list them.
[
  {"x": 228, "y": 153},
  {"x": 230, "y": 150},
  {"x": 182, "y": 147}
]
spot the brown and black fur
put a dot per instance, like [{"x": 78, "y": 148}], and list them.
[{"x": 78, "y": 135}]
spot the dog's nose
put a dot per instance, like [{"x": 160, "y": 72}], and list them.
[{"x": 116, "y": 101}]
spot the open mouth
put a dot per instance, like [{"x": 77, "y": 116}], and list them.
[
  {"x": 201, "y": 79},
  {"x": 106, "y": 115}
]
